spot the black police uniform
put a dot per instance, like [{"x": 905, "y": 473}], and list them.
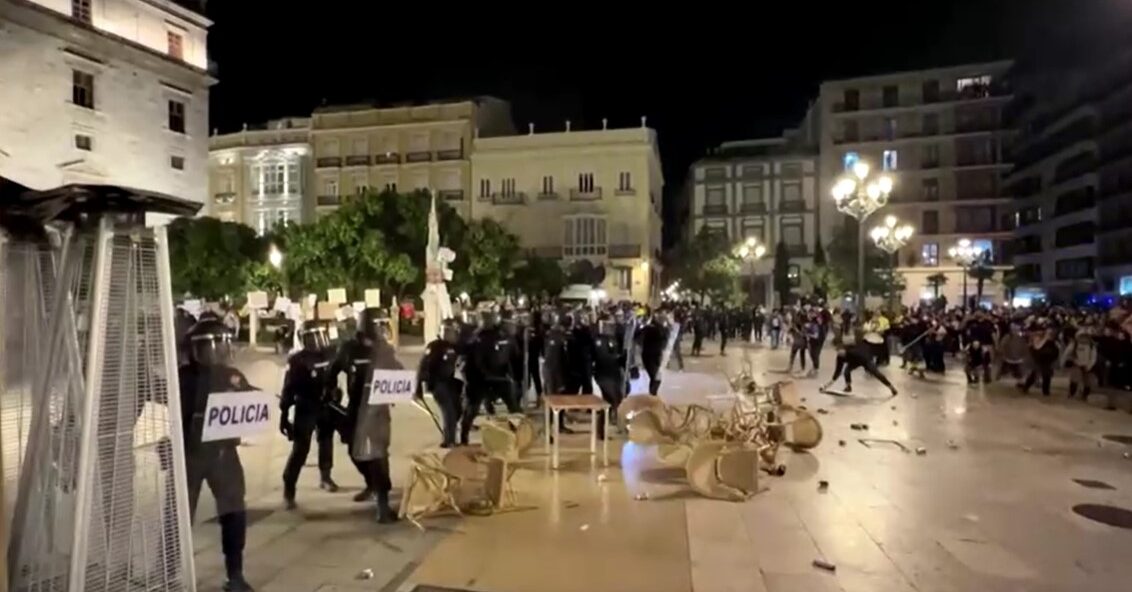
[
  {"x": 216, "y": 463},
  {"x": 306, "y": 388},
  {"x": 580, "y": 354},
  {"x": 609, "y": 372},
  {"x": 491, "y": 358},
  {"x": 654, "y": 338},
  {"x": 554, "y": 367},
  {"x": 536, "y": 339},
  {"x": 438, "y": 372},
  {"x": 353, "y": 358}
]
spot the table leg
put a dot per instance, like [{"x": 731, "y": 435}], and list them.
[
  {"x": 593, "y": 433},
  {"x": 546, "y": 423},
  {"x": 605, "y": 440},
  {"x": 557, "y": 435}
]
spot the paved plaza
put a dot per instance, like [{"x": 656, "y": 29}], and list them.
[{"x": 988, "y": 506}]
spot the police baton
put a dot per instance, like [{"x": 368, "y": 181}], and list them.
[{"x": 420, "y": 403}]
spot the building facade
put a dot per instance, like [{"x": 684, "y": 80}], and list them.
[
  {"x": 104, "y": 91},
  {"x": 262, "y": 177},
  {"x": 940, "y": 134},
  {"x": 578, "y": 195},
  {"x": 761, "y": 189},
  {"x": 405, "y": 148},
  {"x": 1072, "y": 181}
]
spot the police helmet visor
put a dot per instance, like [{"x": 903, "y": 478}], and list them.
[
  {"x": 211, "y": 348},
  {"x": 450, "y": 332},
  {"x": 314, "y": 338}
]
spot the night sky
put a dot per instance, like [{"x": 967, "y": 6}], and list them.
[{"x": 702, "y": 77}]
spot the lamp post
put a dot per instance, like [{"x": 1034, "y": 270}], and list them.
[
  {"x": 890, "y": 237},
  {"x": 751, "y": 250},
  {"x": 859, "y": 194},
  {"x": 965, "y": 253}
]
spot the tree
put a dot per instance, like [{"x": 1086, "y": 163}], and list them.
[
  {"x": 826, "y": 283},
  {"x": 705, "y": 266},
  {"x": 212, "y": 259},
  {"x": 880, "y": 277},
  {"x": 782, "y": 273},
  {"x": 490, "y": 256},
  {"x": 980, "y": 273},
  {"x": 1011, "y": 281},
  {"x": 540, "y": 278},
  {"x": 936, "y": 281}
]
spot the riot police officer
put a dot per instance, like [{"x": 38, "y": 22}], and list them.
[
  {"x": 536, "y": 340},
  {"x": 353, "y": 358},
  {"x": 515, "y": 329},
  {"x": 554, "y": 352},
  {"x": 580, "y": 353},
  {"x": 609, "y": 367},
  {"x": 438, "y": 374},
  {"x": 208, "y": 371},
  {"x": 492, "y": 359},
  {"x": 654, "y": 339},
  {"x": 306, "y": 387}
]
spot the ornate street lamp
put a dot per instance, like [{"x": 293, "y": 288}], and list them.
[
  {"x": 751, "y": 250},
  {"x": 966, "y": 254},
  {"x": 890, "y": 237},
  {"x": 858, "y": 195}
]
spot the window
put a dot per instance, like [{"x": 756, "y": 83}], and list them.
[
  {"x": 261, "y": 223},
  {"x": 361, "y": 185},
  {"x": 176, "y": 45},
  {"x": 281, "y": 217},
  {"x": 752, "y": 228},
  {"x": 293, "y": 182},
  {"x": 268, "y": 178},
  {"x": 753, "y": 197},
  {"x": 80, "y": 10},
  {"x": 624, "y": 278},
  {"x": 929, "y": 222},
  {"x": 715, "y": 200},
  {"x": 716, "y": 228},
  {"x": 586, "y": 182},
  {"x": 973, "y": 87},
  {"x": 177, "y": 116},
  {"x": 791, "y": 170},
  {"x": 177, "y": 162},
  {"x": 83, "y": 142},
  {"x": 929, "y": 254},
  {"x": 891, "y": 96},
  {"x": 548, "y": 185},
  {"x": 508, "y": 187},
  {"x": 888, "y": 161},
  {"x": 485, "y": 188},
  {"x": 931, "y": 91},
  {"x": 792, "y": 233},
  {"x": 931, "y": 124},
  {"x": 850, "y": 159},
  {"x": 890, "y": 128},
  {"x": 1075, "y": 269},
  {"x": 929, "y": 156},
  {"x": 331, "y": 187},
  {"x": 624, "y": 181},
  {"x": 359, "y": 147},
  {"x": 794, "y": 274},
  {"x": 791, "y": 192},
  {"x": 391, "y": 186},
  {"x": 850, "y": 132},
  {"x": 584, "y": 236},
  {"x": 852, "y": 99},
  {"x": 753, "y": 171},
  {"x": 929, "y": 189},
  {"x": 82, "y": 89},
  {"x": 715, "y": 173},
  {"x": 980, "y": 219}
]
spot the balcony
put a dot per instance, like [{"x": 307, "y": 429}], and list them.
[
  {"x": 715, "y": 210},
  {"x": 968, "y": 127},
  {"x": 756, "y": 207},
  {"x": 419, "y": 156},
  {"x": 451, "y": 194},
  {"x": 323, "y": 162},
  {"x": 976, "y": 161},
  {"x": 450, "y": 154},
  {"x": 329, "y": 200},
  {"x": 624, "y": 251},
  {"x": 362, "y": 160},
  {"x": 1075, "y": 166},
  {"x": 625, "y": 191},
  {"x": 591, "y": 195},
  {"x": 548, "y": 196},
  {"x": 978, "y": 92},
  {"x": 792, "y": 206},
  {"x": 798, "y": 250},
  {"x": 509, "y": 199},
  {"x": 387, "y": 158},
  {"x": 929, "y": 164},
  {"x": 224, "y": 198}
]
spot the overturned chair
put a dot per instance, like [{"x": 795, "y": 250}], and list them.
[
  {"x": 508, "y": 438},
  {"x": 467, "y": 480}
]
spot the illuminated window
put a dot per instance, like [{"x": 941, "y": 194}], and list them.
[
  {"x": 624, "y": 278},
  {"x": 584, "y": 236},
  {"x": 1126, "y": 285},
  {"x": 929, "y": 254},
  {"x": 176, "y": 45},
  {"x": 850, "y": 159},
  {"x": 889, "y": 160},
  {"x": 794, "y": 274}
]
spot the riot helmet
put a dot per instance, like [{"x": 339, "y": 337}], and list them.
[
  {"x": 373, "y": 323},
  {"x": 210, "y": 343},
  {"x": 607, "y": 327},
  {"x": 567, "y": 320},
  {"x": 549, "y": 318},
  {"x": 489, "y": 319},
  {"x": 450, "y": 330},
  {"x": 314, "y": 336}
]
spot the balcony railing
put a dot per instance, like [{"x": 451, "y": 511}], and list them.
[
  {"x": 548, "y": 196},
  {"x": 387, "y": 158},
  {"x": 224, "y": 198},
  {"x": 624, "y": 251},
  {"x": 362, "y": 160},
  {"x": 794, "y": 205},
  {"x": 451, "y": 194},
  {"x": 966, "y": 161},
  {"x": 419, "y": 156},
  {"x": 328, "y": 161},
  {"x": 715, "y": 209},
  {"x": 758, "y": 207},
  {"x": 509, "y": 199},
  {"x": 451, "y": 154},
  {"x": 591, "y": 195},
  {"x": 969, "y": 93},
  {"x": 329, "y": 200}
]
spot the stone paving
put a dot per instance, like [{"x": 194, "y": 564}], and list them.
[{"x": 988, "y": 506}]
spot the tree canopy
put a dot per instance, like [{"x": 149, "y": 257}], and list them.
[
  {"x": 881, "y": 279},
  {"x": 706, "y": 267},
  {"x": 213, "y": 259}
]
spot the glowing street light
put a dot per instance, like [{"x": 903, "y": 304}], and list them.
[
  {"x": 890, "y": 237},
  {"x": 275, "y": 257},
  {"x": 858, "y": 195},
  {"x": 751, "y": 250},
  {"x": 966, "y": 254}
]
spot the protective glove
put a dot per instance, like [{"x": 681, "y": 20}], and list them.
[{"x": 285, "y": 427}]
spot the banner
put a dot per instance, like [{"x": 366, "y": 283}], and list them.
[
  {"x": 392, "y": 386},
  {"x": 236, "y": 415}
]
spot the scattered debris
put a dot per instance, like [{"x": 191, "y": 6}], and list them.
[
  {"x": 365, "y": 574},
  {"x": 601, "y": 477},
  {"x": 971, "y": 517},
  {"x": 952, "y": 444},
  {"x": 894, "y": 407},
  {"x": 641, "y": 497},
  {"x": 1027, "y": 449},
  {"x": 571, "y": 505},
  {"x": 823, "y": 564},
  {"x": 859, "y": 426},
  {"x": 1092, "y": 484},
  {"x": 1128, "y": 455},
  {"x": 894, "y": 422},
  {"x": 803, "y": 399},
  {"x": 842, "y": 443},
  {"x": 870, "y": 442},
  {"x": 823, "y": 486},
  {"x": 584, "y": 527},
  {"x": 1099, "y": 445},
  {"x": 920, "y": 451},
  {"x": 823, "y": 411}
]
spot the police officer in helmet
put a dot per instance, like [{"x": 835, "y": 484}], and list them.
[
  {"x": 208, "y": 372},
  {"x": 609, "y": 367},
  {"x": 373, "y": 430},
  {"x": 354, "y": 357},
  {"x": 492, "y": 358},
  {"x": 438, "y": 374},
  {"x": 307, "y": 388}
]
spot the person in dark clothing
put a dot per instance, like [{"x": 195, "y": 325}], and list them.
[
  {"x": 535, "y": 343},
  {"x": 217, "y": 463},
  {"x": 851, "y": 358},
  {"x": 580, "y": 353},
  {"x": 1044, "y": 353},
  {"x": 492, "y": 357},
  {"x": 438, "y": 374},
  {"x": 516, "y": 331},
  {"x": 798, "y": 343},
  {"x": 609, "y": 368},
  {"x": 724, "y": 332},
  {"x": 305, "y": 387},
  {"x": 354, "y": 358},
  {"x": 654, "y": 338},
  {"x": 555, "y": 352},
  {"x": 759, "y": 322},
  {"x": 698, "y": 329}
]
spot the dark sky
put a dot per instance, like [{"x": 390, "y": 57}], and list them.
[{"x": 702, "y": 75}]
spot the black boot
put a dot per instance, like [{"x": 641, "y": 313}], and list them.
[
  {"x": 385, "y": 514},
  {"x": 289, "y": 497},
  {"x": 328, "y": 484},
  {"x": 364, "y": 495}
]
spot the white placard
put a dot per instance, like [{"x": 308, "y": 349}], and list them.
[
  {"x": 193, "y": 307},
  {"x": 236, "y": 415},
  {"x": 392, "y": 386},
  {"x": 373, "y": 298},
  {"x": 257, "y": 299},
  {"x": 282, "y": 304},
  {"x": 336, "y": 295}
]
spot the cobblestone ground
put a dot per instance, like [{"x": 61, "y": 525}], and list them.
[{"x": 988, "y": 506}]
